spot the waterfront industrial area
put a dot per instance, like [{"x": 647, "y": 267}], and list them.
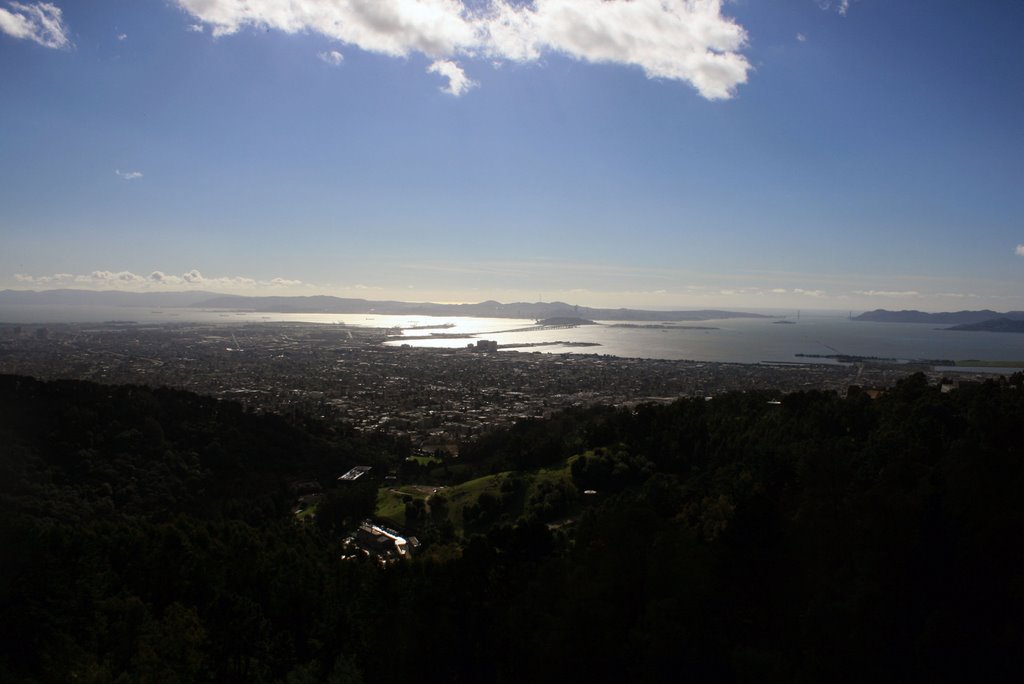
[{"x": 435, "y": 398}]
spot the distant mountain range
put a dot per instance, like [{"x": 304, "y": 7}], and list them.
[
  {"x": 487, "y": 309},
  {"x": 327, "y": 304},
  {"x": 994, "y": 325},
  {"x": 945, "y": 318}
]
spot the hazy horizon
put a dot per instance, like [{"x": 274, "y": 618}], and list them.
[
  {"x": 755, "y": 308},
  {"x": 657, "y": 154}
]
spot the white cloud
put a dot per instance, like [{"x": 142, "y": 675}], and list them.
[
  {"x": 458, "y": 82},
  {"x": 110, "y": 276},
  {"x": 683, "y": 40},
  {"x": 122, "y": 36},
  {"x": 840, "y": 6},
  {"x": 391, "y": 27},
  {"x": 40, "y": 22},
  {"x": 194, "y": 28},
  {"x": 56, "y": 278},
  {"x": 1019, "y": 250},
  {"x": 801, "y": 38},
  {"x": 332, "y": 57},
  {"x": 159, "y": 280},
  {"x": 128, "y": 175},
  {"x": 672, "y": 39},
  {"x": 888, "y": 293}
]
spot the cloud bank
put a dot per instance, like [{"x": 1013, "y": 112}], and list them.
[
  {"x": 40, "y": 22},
  {"x": 888, "y": 293},
  {"x": 158, "y": 280},
  {"x": 1020, "y": 250},
  {"x": 682, "y": 40}
]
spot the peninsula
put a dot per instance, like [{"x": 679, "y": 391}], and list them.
[
  {"x": 1003, "y": 324},
  {"x": 943, "y": 318}
]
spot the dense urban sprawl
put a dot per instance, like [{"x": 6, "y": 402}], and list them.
[{"x": 434, "y": 397}]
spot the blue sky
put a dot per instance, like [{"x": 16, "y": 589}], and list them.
[{"x": 656, "y": 153}]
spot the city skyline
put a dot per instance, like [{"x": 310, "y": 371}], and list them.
[{"x": 652, "y": 154}]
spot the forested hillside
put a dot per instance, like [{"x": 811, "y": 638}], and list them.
[{"x": 147, "y": 535}]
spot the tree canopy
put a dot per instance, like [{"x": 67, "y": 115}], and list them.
[{"x": 146, "y": 534}]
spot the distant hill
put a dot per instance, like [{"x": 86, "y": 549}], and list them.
[
  {"x": 994, "y": 325},
  {"x": 487, "y": 309},
  {"x": 944, "y": 318},
  {"x": 328, "y": 304}
]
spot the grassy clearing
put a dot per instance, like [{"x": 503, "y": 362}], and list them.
[
  {"x": 391, "y": 500},
  {"x": 467, "y": 493},
  {"x": 390, "y": 505},
  {"x": 552, "y": 475},
  {"x": 514, "y": 488}
]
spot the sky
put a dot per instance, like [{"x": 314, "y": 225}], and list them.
[{"x": 667, "y": 154}]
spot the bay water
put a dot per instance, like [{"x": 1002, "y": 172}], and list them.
[{"x": 817, "y": 335}]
